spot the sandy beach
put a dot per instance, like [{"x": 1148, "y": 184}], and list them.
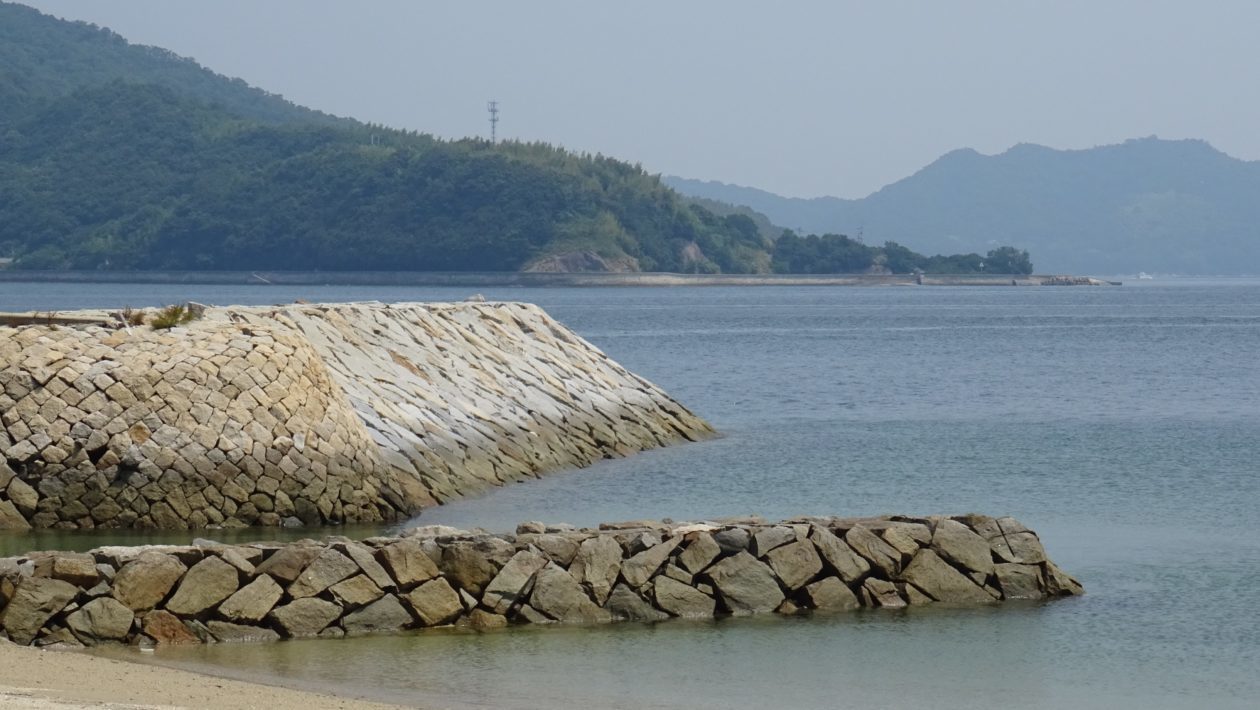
[{"x": 57, "y": 680}]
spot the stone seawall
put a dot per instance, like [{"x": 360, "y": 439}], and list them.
[
  {"x": 305, "y": 414},
  {"x": 436, "y": 576}
]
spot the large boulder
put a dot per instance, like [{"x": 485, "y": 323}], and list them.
[
  {"x": 830, "y": 594},
  {"x": 558, "y": 595},
  {"x": 597, "y": 564},
  {"x": 355, "y": 592},
  {"x": 328, "y": 568},
  {"x": 407, "y": 563},
  {"x": 304, "y": 617},
  {"x": 166, "y": 629},
  {"x": 34, "y": 601},
  {"x": 935, "y": 577},
  {"x": 700, "y": 552},
  {"x": 286, "y": 563},
  {"x": 11, "y": 519},
  {"x": 880, "y": 554},
  {"x": 795, "y": 563},
  {"x": 207, "y": 583},
  {"x": 384, "y": 614},
  {"x": 252, "y": 602},
  {"x": 624, "y": 604},
  {"x": 102, "y": 619},
  {"x": 144, "y": 582},
  {"x": 639, "y": 569},
  {"x": 843, "y": 559},
  {"x": 682, "y": 600},
  {"x": 502, "y": 591},
  {"x": 1019, "y": 581},
  {"x": 745, "y": 585},
  {"x": 365, "y": 558},
  {"x": 435, "y": 602},
  {"x": 472, "y": 564},
  {"x": 958, "y": 544}
]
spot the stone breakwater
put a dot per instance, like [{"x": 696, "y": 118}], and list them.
[
  {"x": 435, "y": 576},
  {"x": 305, "y": 414}
]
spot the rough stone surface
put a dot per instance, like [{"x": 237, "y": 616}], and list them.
[
  {"x": 843, "y": 559},
  {"x": 880, "y": 554},
  {"x": 340, "y": 413},
  {"x": 639, "y": 570},
  {"x": 766, "y": 539},
  {"x": 1019, "y": 581},
  {"x": 102, "y": 619},
  {"x": 145, "y": 581},
  {"x": 700, "y": 552},
  {"x": 626, "y": 605},
  {"x": 384, "y": 614},
  {"x": 435, "y": 602},
  {"x": 795, "y": 563},
  {"x": 682, "y": 600},
  {"x": 746, "y": 586},
  {"x": 206, "y": 583},
  {"x": 305, "y": 617},
  {"x": 507, "y": 585},
  {"x": 597, "y": 565},
  {"x": 34, "y": 602},
  {"x": 328, "y": 568},
  {"x": 355, "y": 592},
  {"x": 408, "y": 563},
  {"x": 166, "y": 629},
  {"x": 882, "y": 593},
  {"x": 558, "y": 595},
  {"x": 472, "y": 564},
  {"x": 732, "y": 540},
  {"x": 939, "y": 580},
  {"x": 830, "y": 594},
  {"x": 959, "y": 544},
  {"x": 252, "y": 602}
]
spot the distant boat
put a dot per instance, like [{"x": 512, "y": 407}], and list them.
[{"x": 1143, "y": 275}]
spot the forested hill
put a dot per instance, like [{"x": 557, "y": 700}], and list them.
[
  {"x": 1144, "y": 205},
  {"x": 43, "y": 57},
  {"x": 116, "y": 156},
  {"x": 121, "y": 157}
]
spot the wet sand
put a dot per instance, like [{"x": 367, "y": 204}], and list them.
[{"x": 56, "y": 680}]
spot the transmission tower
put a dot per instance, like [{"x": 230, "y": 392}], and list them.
[{"x": 493, "y": 108}]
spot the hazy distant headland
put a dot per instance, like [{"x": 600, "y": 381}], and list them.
[{"x": 1144, "y": 205}]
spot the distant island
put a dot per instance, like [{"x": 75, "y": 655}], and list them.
[
  {"x": 1151, "y": 205},
  {"x": 121, "y": 157}
]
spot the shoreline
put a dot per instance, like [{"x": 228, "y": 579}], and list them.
[
  {"x": 44, "y": 679},
  {"x": 535, "y": 279}
]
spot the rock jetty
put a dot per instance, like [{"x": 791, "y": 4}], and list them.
[
  {"x": 304, "y": 414},
  {"x": 435, "y": 576}
]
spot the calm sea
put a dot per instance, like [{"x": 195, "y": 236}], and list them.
[{"x": 1120, "y": 423}]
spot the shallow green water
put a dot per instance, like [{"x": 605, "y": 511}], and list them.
[{"x": 1120, "y": 423}]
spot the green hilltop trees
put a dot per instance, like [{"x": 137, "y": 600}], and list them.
[{"x": 116, "y": 156}]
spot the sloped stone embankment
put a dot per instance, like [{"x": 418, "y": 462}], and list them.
[
  {"x": 305, "y": 414},
  {"x": 542, "y": 574}
]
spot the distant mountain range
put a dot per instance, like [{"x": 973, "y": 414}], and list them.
[{"x": 1144, "y": 205}]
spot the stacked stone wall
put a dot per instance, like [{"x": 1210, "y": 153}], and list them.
[
  {"x": 208, "y": 425},
  {"x": 305, "y": 414},
  {"x": 543, "y": 574}
]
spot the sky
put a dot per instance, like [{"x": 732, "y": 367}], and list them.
[{"x": 804, "y": 98}]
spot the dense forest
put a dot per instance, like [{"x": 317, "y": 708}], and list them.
[
  {"x": 839, "y": 254},
  {"x": 122, "y": 157}
]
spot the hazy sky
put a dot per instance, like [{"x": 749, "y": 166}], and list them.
[{"x": 802, "y": 98}]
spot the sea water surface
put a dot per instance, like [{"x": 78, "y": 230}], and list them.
[{"x": 1120, "y": 423}]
